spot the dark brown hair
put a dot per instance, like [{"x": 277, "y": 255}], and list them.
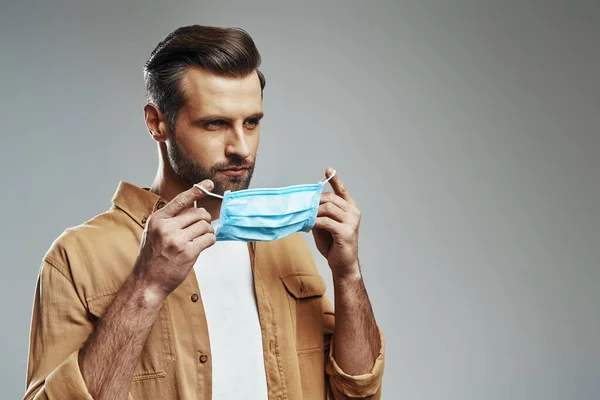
[{"x": 228, "y": 52}]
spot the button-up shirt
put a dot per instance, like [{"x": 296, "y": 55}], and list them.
[{"x": 85, "y": 268}]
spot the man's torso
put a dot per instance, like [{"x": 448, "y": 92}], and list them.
[{"x": 177, "y": 358}]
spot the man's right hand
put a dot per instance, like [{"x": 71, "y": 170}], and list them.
[{"x": 174, "y": 237}]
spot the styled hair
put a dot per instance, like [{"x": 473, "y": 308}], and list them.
[{"x": 227, "y": 52}]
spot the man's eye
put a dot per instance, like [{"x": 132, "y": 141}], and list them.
[
  {"x": 252, "y": 123},
  {"x": 214, "y": 124}
]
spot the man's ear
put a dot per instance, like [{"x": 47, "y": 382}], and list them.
[{"x": 156, "y": 122}]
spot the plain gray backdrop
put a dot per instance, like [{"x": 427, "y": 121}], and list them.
[{"x": 468, "y": 132}]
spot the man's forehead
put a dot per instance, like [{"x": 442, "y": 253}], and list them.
[{"x": 209, "y": 91}]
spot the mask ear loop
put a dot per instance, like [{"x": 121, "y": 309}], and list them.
[
  {"x": 325, "y": 180},
  {"x": 207, "y": 192}
]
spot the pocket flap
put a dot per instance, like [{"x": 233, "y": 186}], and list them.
[
  {"x": 302, "y": 286},
  {"x": 98, "y": 304}
]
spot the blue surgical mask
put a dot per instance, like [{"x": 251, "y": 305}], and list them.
[{"x": 262, "y": 215}]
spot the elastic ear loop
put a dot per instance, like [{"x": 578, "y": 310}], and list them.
[
  {"x": 207, "y": 192},
  {"x": 325, "y": 180}
]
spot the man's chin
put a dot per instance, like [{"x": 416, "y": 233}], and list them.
[{"x": 232, "y": 183}]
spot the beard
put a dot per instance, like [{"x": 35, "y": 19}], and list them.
[{"x": 191, "y": 172}]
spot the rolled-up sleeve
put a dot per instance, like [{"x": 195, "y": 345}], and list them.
[
  {"x": 59, "y": 327},
  {"x": 356, "y": 386},
  {"x": 341, "y": 384}
]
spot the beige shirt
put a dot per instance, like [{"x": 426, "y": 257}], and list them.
[{"x": 85, "y": 268}]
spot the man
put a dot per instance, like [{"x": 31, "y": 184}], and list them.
[{"x": 141, "y": 302}]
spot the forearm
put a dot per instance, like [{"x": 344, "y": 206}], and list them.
[
  {"x": 108, "y": 358},
  {"x": 357, "y": 341}
]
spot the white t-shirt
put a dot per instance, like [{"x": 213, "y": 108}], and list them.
[{"x": 226, "y": 285}]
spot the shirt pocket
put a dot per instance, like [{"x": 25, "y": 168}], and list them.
[
  {"x": 306, "y": 310},
  {"x": 158, "y": 351}
]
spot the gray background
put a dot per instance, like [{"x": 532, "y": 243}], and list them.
[{"x": 467, "y": 131}]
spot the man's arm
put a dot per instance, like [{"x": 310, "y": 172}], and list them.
[
  {"x": 355, "y": 359},
  {"x": 102, "y": 369},
  {"x": 108, "y": 358},
  {"x": 345, "y": 384},
  {"x": 357, "y": 340}
]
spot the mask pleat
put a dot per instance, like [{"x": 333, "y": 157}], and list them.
[
  {"x": 257, "y": 215},
  {"x": 259, "y": 234}
]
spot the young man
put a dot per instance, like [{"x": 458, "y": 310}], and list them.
[{"x": 142, "y": 302}]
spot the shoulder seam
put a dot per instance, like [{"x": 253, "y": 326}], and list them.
[{"x": 59, "y": 267}]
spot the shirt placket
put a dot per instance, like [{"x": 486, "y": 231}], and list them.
[
  {"x": 197, "y": 343},
  {"x": 272, "y": 358}
]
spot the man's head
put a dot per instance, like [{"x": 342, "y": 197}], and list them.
[{"x": 204, "y": 94}]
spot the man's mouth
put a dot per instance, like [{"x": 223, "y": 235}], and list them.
[{"x": 235, "y": 171}]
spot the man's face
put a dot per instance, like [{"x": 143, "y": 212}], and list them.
[{"x": 217, "y": 130}]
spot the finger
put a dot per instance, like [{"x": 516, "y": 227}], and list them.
[
  {"x": 198, "y": 229},
  {"x": 332, "y": 211},
  {"x": 329, "y": 197},
  {"x": 330, "y": 225},
  {"x": 338, "y": 186},
  {"x": 203, "y": 242},
  {"x": 185, "y": 199},
  {"x": 191, "y": 216}
]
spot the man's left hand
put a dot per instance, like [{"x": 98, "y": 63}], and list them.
[{"x": 336, "y": 229}]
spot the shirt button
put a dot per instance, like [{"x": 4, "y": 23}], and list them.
[
  {"x": 144, "y": 220},
  {"x": 203, "y": 358},
  {"x": 194, "y": 297},
  {"x": 160, "y": 205}
]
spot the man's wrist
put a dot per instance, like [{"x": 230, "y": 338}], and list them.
[
  {"x": 150, "y": 294},
  {"x": 347, "y": 275}
]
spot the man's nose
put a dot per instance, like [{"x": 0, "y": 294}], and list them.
[{"x": 237, "y": 145}]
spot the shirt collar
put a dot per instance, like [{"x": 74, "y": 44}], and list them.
[{"x": 139, "y": 203}]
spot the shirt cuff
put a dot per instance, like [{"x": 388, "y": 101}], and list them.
[
  {"x": 66, "y": 381},
  {"x": 363, "y": 385}
]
